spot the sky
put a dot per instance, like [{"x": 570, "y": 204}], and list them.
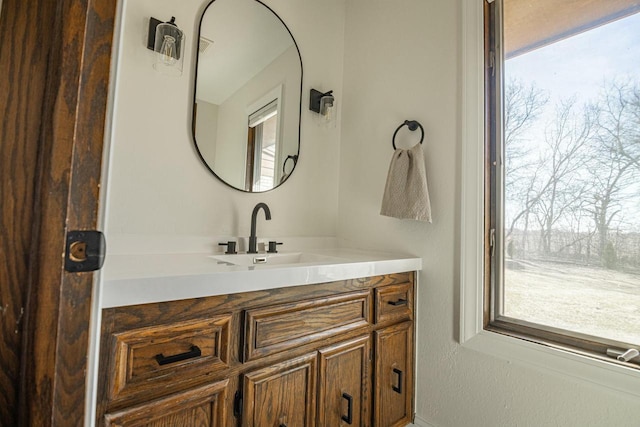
[{"x": 580, "y": 64}]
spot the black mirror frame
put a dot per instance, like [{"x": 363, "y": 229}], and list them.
[{"x": 193, "y": 109}]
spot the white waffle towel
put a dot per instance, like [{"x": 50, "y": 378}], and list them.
[{"x": 406, "y": 195}]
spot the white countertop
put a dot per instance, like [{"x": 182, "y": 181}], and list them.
[{"x": 140, "y": 279}]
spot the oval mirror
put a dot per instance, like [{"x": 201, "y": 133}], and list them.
[{"x": 246, "y": 110}]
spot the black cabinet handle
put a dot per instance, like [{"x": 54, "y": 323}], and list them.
[
  {"x": 283, "y": 425},
  {"x": 165, "y": 360},
  {"x": 237, "y": 404},
  {"x": 349, "y": 418},
  {"x": 398, "y": 389},
  {"x": 399, "y": 302}
]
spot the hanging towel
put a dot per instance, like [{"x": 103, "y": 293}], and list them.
[{"x": 406, "y": 195}]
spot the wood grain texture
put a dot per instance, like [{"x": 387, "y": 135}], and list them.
[
  {"x": 135, "y": 365},
  {"x": 71, "y": 141},
  {"x": 123, "y": 318},
  {"x": 394, "y": 302},
  {"x": 345, "y": 368},
  {"x": 282, "y": 395},
  {"x": 23, "y": 66},
  {"x": 394, "y": 369},
  {"x": 279, "y": 327},
  {"x": 201, "y": 407},
  {"x": 118, "y": 322}
]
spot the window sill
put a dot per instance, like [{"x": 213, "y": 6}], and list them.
[{"x": 554, "y": 361}]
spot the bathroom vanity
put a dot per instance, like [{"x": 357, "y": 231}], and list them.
[{"x": 304, "y": 352}]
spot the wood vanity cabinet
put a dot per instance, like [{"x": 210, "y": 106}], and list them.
[{"x": 325, "y": 355}]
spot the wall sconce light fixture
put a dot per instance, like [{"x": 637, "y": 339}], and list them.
[
  {"x": 167, "y": 41},
  {"x": 323, "y": 104}
]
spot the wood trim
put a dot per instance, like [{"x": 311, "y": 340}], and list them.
[
  {"x": 59, "y": 306},
  {"x": 249, "y": 166},
  {"x": 532, "y": 24},
  {"x": 24, "y": 64},
  {"x": 490, "y": 84}
]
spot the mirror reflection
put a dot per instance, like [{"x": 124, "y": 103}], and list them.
[{"x": 246, "y": 112}]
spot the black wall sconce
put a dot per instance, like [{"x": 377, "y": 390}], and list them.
[
  {"x": 323, "y": 104},
  {"x": 167, "y": 41}
]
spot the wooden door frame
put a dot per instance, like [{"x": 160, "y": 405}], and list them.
[
  {"x": 22, "y": 88},
  {"x": 72, "y": 43}
]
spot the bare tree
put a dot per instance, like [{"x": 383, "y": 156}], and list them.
[
  {"x": 576, "y": 180},
  {"x": 523, "y": 106},
  {"x": 615, "y": 164},
  {"x": 620, "y": 119},
  {"x": 564, "y": 160}
]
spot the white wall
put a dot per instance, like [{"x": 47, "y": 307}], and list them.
[
  {"x": 157, "y": 184},
  {"x": 207, "y": 129},
  {"x": 402, "y": 62}
]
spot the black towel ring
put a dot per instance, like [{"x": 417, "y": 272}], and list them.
[{"x": 412, "y": 125}]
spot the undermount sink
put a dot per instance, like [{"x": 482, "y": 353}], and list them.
[{"x": 276, "y": 259}]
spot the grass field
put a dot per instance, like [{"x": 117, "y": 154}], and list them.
[{"x": 582, "y": 299}]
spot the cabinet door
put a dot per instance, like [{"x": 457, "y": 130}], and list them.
[
  {"x": 344, "y": 384},
  {"x": 394, "y": 375},
  {"x": 200, "y": 407},
  {"x": 281, "y": 395}
]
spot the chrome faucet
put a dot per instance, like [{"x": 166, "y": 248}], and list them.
[{"x": 253, "y": 239}]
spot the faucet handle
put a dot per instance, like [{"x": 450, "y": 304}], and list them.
[
  {"x": 231, "y": 247},
  {"x": 272, "y": 246}
]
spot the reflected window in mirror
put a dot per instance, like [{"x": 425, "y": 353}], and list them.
[
  {"x": 247, "y": 58},
  {"x": 262, "y": 148}
]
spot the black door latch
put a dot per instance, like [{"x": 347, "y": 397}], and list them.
[{"x": 85, "y": 251}]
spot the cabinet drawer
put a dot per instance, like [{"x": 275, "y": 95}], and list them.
[
  {"x": 202, "y": 406},
  {"x": 394, "y": 302},
  {"x": 277, "y": 328},
  {"x": 161, "y": 355}
]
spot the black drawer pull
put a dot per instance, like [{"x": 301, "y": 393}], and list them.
[
  {"x": 399, "y": 302},
  {"x": 398, "y": 389},
  {"x": 165, "y": 360},
  {"x": 349, "y": 418},
  {"x": 283, "y": 425}
]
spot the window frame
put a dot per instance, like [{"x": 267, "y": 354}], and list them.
[
  {"x": 273, "y": 97},
  {"x": 473, "y": 239},
  {"x": 494, "y": 203}
]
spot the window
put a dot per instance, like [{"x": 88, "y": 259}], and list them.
[
  {"x": 562, "y": 189},
  {"x": 261, "y": 148}
]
